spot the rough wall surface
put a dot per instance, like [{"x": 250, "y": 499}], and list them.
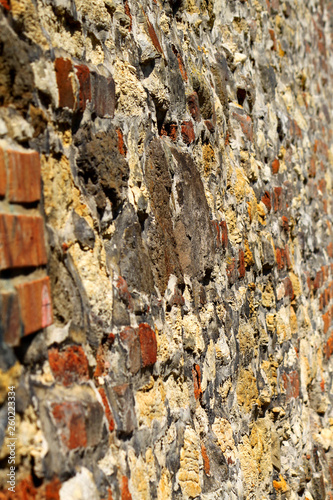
[{"x": 166, "y": 178}]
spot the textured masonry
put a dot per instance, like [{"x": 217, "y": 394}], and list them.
[{"x": 166, "y": 249}]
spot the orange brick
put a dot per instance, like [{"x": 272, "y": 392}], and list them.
[
  {"x": 3, "y": 180},
  {"x": 24, "y": 176},
  {"x": 35, "y": 304},
  {"x": 21, "y": 241}
]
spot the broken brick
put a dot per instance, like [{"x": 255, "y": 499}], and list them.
[
  {"x": 69, "y": 365},
  {"x": 187, "y": 131},
  {"x": 148, "y": 344},
  {"x": 291, "y": 384}
]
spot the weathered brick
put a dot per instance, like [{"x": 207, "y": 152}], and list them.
[
  {"x": 327, "y": 320},
  {"x": 193, "y": 106},
  {"x": 5, "y": 4},
  {"x": 103, "y": 95},
  {"x": 231, "y": 270},
  {"x": 130, "y": 340},
  {"x": 69, "y": 365},
  {"x": 70, "y": 418},
  {"x": 121, "y": 145},
  {"x": 275, "y": 166},
  {"x": 224, "y": 235},
  {"x": 277, "y": 199},
  {"x": 3, "y": 174},
  {"x": 180, "y": 64},
  {"x": 148, "y": 344},
  {"x": 246, "y": 125},
  {"x": 187, "y": 131},
  {"x": 291, "y": 384},
  {"x": 24, "y": 176},
  {"x": 329, "y": 347},
  {"x": 285, "y": 223},
  {"x": 10, "y": 319},
  {"x": 107, "y": 408},
  {"x": 216, "y": 227},
  {"x": 205, "y": 459},
  {"x": 287, "y": 257},
  {"x": 266, "y": 199},
  {"x": 125, "y": 493},
  {"x": 63, "y": 68},
  {"x": 196, "y": 374},
  {"x": 83, "y": 75},
  {"x": 288, "y": 287},
  {"x": 21, "y": 241},
  {"x": 241, "y": 264},
  {"x": 35, "y": 304},
  {"x": 122, "y": 404},
  {"x": 124, "y": 293},
  {"x": 280, "y": 258}
]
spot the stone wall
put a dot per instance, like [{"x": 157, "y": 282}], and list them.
[{"x": 166, "y": 251}]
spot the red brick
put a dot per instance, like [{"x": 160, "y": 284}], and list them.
[
  {"x": 231, "y": 271},
  {"x": 277, "y": 199},
  {"x": 312, "y": 168},
  {"x": 210, "y": 126},
  {"x": 246, "y": 125},
  {"x": 280, "y": 258},
  {"x": 266, "y": 199},
  {"x": 181, "y": 64},
  {"x": 327, "y": 320},
  {"x": 193, "y": 105},
  {"x": 196, "y": 374},
  {"x": 187, "y": 131},
  {"x": 21, "y": 241},
  {"x": 275, "y": 166},
  {"x": 10, "y": 319},
  {"x": 329, "y": 347},
  {"x": 35, "y": 304},
  {"x": 125, "y": 493},
  {"x": 5, "y": 4},
  {"x": 69, "y": 365},
  {"x": 70, "y": 416},
  {"x": 121, "y": 145},
  {"x": 329, "y": 249},
  {"x": 103, "y": 95},
  {"x": 83, "y": 75},
  {"x": 287, "y": 257},
  {"x": 318, "y": 281},
  {"x": 63, "y": 68},
  {"x": 288, "y": 287},
  {"x": 291, "y": 384},
  {"x": 285, "y": 223},
  {"x": 205, "y": 459},
  {"x": 50, "y": 490},
  {"x": 241, "y": 264},
  {"x": 322, "y": 186},
  {"x": 224, "y": 236},
  {"x": 153, "y": 36},
  {"x": 24, "y": 176},
  {"x": 3, "y": 175},
  {"x": 107, "y": 408},
  {"x": 148, "y": 344}
]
